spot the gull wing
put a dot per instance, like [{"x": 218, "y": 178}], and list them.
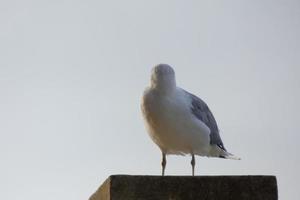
[{"x": 202, "y": 112}]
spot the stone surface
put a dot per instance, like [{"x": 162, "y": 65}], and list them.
[{"x": 125, "y": 187}]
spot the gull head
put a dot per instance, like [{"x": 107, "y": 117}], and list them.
[{"x": 163, "y": 77}]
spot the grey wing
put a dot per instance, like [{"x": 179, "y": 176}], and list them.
[{"x": 203, "y": 113}]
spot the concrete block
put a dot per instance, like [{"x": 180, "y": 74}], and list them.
[{"x": 126, "y": 187}]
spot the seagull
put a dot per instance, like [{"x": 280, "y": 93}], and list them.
[{"x": 179, "y": 122}]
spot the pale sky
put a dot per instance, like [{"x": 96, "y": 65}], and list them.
[{"x": 72, "y": 74}]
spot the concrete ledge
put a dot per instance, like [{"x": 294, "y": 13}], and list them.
[{"x": 125, "y": 187}]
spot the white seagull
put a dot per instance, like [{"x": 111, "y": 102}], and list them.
[{"x": 178, "y": 121}]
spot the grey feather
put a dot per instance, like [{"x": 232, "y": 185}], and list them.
[{"x": 203, "y": 113}]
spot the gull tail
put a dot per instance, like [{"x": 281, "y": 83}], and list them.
[{"x": 227, "y": 155}]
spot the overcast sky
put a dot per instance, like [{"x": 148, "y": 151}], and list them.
[{"x": 72, "y": 74}]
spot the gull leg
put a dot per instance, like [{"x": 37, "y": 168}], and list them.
[
  {"x": 193, "y": 163},
  {"x": 163, "y": 163}
]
